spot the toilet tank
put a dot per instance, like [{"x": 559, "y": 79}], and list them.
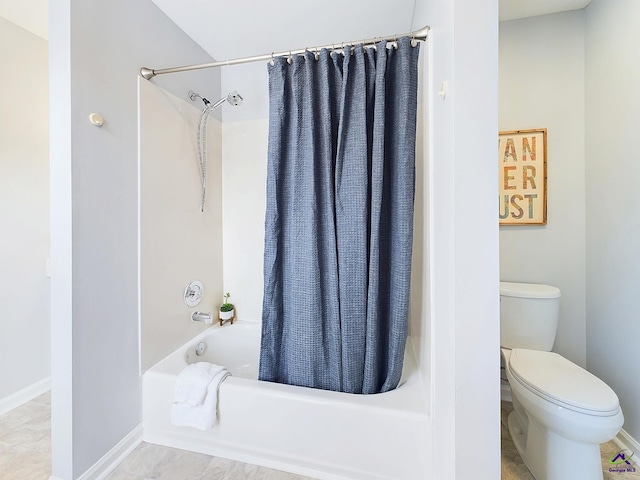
[{"x": 528, "y": 315}]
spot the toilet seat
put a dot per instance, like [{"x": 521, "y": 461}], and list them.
[{"x": 562, "y": 382}]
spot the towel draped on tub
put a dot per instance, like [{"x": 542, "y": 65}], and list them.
[{"x": 195, "y": 401}]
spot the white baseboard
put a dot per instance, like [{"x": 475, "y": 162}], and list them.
[
  {"x": 25, "y": 395},
  {"x": 112, "y": 459},
  {"x": 627, "y": 442}
]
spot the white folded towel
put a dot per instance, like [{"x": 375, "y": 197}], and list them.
[
  {"x": 185, "y": 412},
  {"x": 192, "y": 383}
]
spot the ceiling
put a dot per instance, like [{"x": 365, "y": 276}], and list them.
[
  {"x": 514, "y": 9},
  {"x": 227, "y": 29},
  {"x": 238, "y": 28}
]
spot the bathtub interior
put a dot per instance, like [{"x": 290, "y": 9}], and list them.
[{"x": 236, "y": 346}]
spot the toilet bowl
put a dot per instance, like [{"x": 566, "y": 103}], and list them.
[{"x": 562, "y": 414}]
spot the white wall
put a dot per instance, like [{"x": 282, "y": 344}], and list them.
[
  {"x": 463, "y": 262},
  {"x": 584, "y": 89},
  {"x": 178, "y": 242},
  {"x": 24, "y": 209},
  {"x": 612, "y": 196},
  {"x": 97, "y": 49},
  {"x": 251, "y": 80},
  {"x": 541, "y": 83}
]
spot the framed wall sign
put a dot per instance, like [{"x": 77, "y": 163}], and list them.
[{"x": 522, "y": 160}]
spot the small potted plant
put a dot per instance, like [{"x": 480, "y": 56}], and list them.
[{"x": 227, "y": 310}]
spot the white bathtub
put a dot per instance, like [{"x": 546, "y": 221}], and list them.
[{"x": 322, "y": 434}]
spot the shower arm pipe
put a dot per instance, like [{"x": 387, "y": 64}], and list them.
[
  {"x": 149, "y": 73},
  {"x": 213, "y": 106}
]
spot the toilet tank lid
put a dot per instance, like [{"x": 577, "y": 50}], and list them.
[{"x": 528, "y": 290}]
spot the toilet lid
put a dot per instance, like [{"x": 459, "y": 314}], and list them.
[{"x": 562, "y": 382}]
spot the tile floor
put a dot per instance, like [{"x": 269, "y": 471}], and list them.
[
  {"x": 25, "y": 454},
  {"x": 149, "y": 461},
  {"x": 25, "y": 441}
]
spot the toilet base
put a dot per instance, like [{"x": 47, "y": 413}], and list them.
[{"x": 549, "y": 456}]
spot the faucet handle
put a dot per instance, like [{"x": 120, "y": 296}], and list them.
[{"x": 193, "y": 293}]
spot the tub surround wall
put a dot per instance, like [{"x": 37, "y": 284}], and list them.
[
  {"x": 612, "y": 197},
  {"x": 24, "y": 214},
  {"x": 96, "y": 51},
  {"x": 244, "y": 176},
  {"x": 178, "y": 242},
  {"x": 542, "y": 86},
  {"x": 419, "y": 314}
]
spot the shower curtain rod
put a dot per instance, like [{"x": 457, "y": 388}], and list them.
[{"x": 149, "y": 73}]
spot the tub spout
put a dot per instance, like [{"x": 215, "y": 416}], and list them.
[{"x": 204, "y": 317}]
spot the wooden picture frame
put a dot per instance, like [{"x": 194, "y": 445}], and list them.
[{"x": 522, "y": 177}]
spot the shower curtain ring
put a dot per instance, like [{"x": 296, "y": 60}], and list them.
[
  {"x": 272, "y": 60},
  {"x": 290, "y": 59}
]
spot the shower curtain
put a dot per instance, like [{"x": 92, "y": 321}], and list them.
[{"x": 339, "y": 219}]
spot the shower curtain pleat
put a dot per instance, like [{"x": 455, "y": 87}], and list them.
[{"x": 339, "y": 221}]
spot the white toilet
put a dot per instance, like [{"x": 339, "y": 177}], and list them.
[{"x": 562, "y": 413}]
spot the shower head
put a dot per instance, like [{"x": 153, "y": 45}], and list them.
[{"x": 234, "y": 98}]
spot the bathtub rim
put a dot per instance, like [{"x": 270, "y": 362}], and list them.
[{"x": 408, "y": 399}]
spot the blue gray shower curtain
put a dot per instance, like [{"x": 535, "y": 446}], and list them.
[{"x": 339, "y": 220}]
